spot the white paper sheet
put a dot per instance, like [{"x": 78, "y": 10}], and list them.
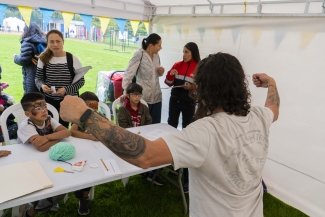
[
  {"x": 112, "y": 167},
  {"x": 80, "y": 72},
  {"x": 155, "y": 134}
]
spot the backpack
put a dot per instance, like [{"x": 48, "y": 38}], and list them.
[{"x": 70, "y": 67}]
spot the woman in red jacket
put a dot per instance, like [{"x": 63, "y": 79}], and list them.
[{"x": 181, "y": 74}]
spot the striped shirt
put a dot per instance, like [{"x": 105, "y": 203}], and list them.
[{"x": 58, "y": 75}]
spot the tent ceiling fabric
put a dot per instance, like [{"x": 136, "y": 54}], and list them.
[{"x": 128, "y": 9}]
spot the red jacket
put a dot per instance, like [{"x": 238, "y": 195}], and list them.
[{"x": 185, "y": 74}]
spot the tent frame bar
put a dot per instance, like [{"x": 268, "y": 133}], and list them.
[{"x": 259, "y": 12}]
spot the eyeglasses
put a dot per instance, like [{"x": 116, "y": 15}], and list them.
[{"x": 136, "y": 95}]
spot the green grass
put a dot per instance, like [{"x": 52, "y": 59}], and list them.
[{"x": 139, "y": 198}]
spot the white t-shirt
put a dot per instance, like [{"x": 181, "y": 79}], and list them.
[
  {"x": 27, "y": 130},
  {"x": 225, "y": 155}
]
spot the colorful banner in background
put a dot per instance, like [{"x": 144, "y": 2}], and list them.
[
  {"x": 3, "y": 9},
  {"x": 279, "y": 35},
  {"x": 104, "y": 23},
  {"x": 26, "y": 13},
  {"x": 87, "y": 19},
  {"x": 235, "y": 34},
  {"x": 256, "y": 33},
  {"x": 306, "y": 38},
  {"x": 67, "y": 18},
  {"x": 135, "y": 26},
  {"x": 202, "y": 32},
  {"x": 167, "y": 30},
  {"x": 121, "y": 24},
  {"x": 186, "y": 30},
  {"x": 146, "y": 25},
  {"x": 47, "y": 15}
]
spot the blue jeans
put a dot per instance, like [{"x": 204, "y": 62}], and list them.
[{"x": 155, "y": 112}]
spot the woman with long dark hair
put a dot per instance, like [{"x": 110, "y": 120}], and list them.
[
  {"x": 30, "y": 39},
  {"x": 55, "y": 71},
  {"x": 145, "y": 66},
  {"x": 181, "y": 77}
]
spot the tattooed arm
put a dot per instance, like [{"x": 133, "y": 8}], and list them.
[
  {"x": 273, "y": 98},
  {"x": 127, "y": 145}
]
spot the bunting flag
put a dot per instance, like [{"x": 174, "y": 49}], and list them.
[
  {"x": 67, "y": 18},
  {"x": 87, "y": 19},
  {"x": 257, "y": 32},
  {"x": 202, "y": 32},
  {"x": 3, "y": 9},
  {"x": 218, "y": 33},
  {"x": 279, "y": 35},
  {"x": 235, "y": 33},
  {"x": 26, "y": 13},
  {"x": 47, "y": 15},
  {"x": 121, "y": 24},
  {"x": 135, "y": 26},
  {"x": 104, "y": 23},
  {"x": 167, "y": 30},
  {"x": 179, "y": 30},
  {"x": 306, "y": 38},
  {"x": 160, "y": 28},
  {"x": 186, "y": 31},
  {"x": 146, "y": 25}
]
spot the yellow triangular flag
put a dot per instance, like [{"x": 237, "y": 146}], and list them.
[
  {"x": 306, "y": 38},
  {"x": 103, "y": 23},
  {"x": 167, "y": 30},
  {"x": 256, "y": 35},
  {"x": 26, "y": 12},
  {"x": 186, "y": 31},
  {"x": 218, "y": 33},
  {"x": 67, "y": 18},
  {"x": 146, "y": 24},
  {"x": 134, "y": 25}
]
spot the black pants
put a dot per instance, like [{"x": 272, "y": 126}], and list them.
[
  {"x": 155, "y": 112},
  {"x": 56, "y": 104},
  {"x": 176, "y": 107}
]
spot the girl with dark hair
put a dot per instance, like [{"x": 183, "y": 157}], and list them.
[
  {"x": 30, "y": 39},
  {"x": 145, "y": 66},
  {"x": 181, "y": 74},
  {"x": 55, "y": 71}
]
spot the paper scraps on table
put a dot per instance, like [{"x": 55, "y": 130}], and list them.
[{"x": 61, "y": 170}]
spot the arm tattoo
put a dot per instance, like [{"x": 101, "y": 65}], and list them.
[
  {"x": 123, "y": 143},
  {"x": 272, "y": 96}
]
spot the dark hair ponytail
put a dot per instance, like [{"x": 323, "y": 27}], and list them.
[{"x": 151, "y": 39}]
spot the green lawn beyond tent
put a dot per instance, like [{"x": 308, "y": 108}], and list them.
[{"x": 139, "y": 198}]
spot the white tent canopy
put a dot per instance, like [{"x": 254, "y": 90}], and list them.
[{"x": 282, "y": 38}]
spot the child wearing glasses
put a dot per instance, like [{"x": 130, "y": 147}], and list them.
[
  {"x": 133, "y": 113},
  {"x": 41, "y": 130}
]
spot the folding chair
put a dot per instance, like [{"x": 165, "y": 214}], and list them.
[
  {"x": 115, "y": 103},
  {"x": 18, "y": 111}
]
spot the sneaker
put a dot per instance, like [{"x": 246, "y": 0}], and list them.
[
  {"x": 23, "y": 209},
  {"x": 83, "y": 206},
  {"x": 43, "y": 206},
  {"x": 78, "y": 194},
  {"x": 156, "y": 181},
  {"x": 55, "y": 207},
  {"x": 185, "y": 188}
]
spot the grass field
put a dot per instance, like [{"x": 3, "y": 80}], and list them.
[{"x": 139, "y": 198}]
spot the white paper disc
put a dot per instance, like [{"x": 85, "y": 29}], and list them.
[{"x": 93, "y": 165}]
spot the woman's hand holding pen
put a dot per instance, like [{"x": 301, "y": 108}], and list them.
[{"x": 160, "y": 70}]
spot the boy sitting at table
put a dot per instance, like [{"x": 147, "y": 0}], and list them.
[
  {"x": 133, "y": 113},
  {"x": 82, "y": 195},
  {"x": 41, "y": 130}
]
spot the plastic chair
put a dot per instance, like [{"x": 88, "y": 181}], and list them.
[
  {"x": 18, "y": 111},
  {"x": 115, "y": 103},
  {"x": 118, "y": 102},
  {"x": 106, "y": 109}
]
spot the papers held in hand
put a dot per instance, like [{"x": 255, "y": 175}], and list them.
[{"x": 80, "y": 72}]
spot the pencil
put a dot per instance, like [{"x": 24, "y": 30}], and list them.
[{"x": 104, "y": 164}]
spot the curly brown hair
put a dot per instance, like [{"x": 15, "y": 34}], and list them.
[{"x": 221, "y": 83}]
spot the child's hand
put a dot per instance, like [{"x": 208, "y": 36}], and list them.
[
  {"x": 4, "y": 153},
  {"x": 38, "y": 141},
  {"x": 2, "y": 108}
]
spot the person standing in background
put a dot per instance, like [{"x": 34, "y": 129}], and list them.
[
  {"x": 145, "y": 66},
  {"x": 182, "y": 73},
  {"x": 31, "y": 37}
]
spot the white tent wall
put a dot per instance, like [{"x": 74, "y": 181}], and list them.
[{"x": 290, "y": 50}]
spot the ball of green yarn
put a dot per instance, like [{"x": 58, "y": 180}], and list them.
[{"x": 62, "y": 151}]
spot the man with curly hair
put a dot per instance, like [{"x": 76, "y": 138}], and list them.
[{"x": 225, "y": 149}]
